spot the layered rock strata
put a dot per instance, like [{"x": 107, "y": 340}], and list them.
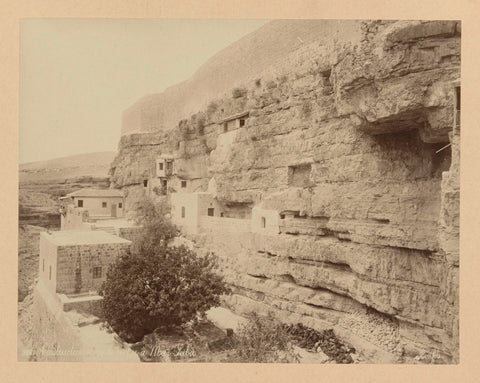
[{"x": 355, "y": 146}]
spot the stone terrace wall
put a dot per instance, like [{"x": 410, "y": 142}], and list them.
[
  {"x": 129, "y": 233},
  {"x": 60, "y": 336},
  {"x": 223, "y": 224},
  {"x": 342, "y": 143}
]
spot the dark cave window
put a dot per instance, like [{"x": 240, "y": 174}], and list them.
[
  {"x": 299, "y": 175},
  {"x": 457, "y": 98},
  {"x": 457, "y": 106},
  {"x": 97, "y": 272}
]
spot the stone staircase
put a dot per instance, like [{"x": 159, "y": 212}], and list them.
[{"x": 107, "y": 229}]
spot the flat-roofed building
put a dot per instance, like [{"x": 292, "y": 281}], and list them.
[
  {"x": 76, "y": 261},
  {"x": 90, "y": 204}
]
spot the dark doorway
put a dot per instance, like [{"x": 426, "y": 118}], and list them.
[{"x": 211, "y": 211}]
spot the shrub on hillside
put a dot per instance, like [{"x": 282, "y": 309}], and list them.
[
  {"x": 212, "y": 108},
  {"x": 264, "y": 340},
  {"x": 200, "y": 123},
  {"x": 239, "y": 92},
  {"x": 158, "y": 285}
]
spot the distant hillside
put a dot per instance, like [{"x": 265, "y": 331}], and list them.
[
  {"x": 42, "y": 182},
  {"x": 82, "y": 165},
  {"x": 242, "y": 60}
]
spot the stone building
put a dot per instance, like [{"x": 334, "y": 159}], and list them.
[
  {"x": 99, "y": 203},
  {"x": 90, "y": 205},
  {"x": 72, "y": 267},
  {"x": 188, "y": 208},
  {"x": 75, "y": 262}
]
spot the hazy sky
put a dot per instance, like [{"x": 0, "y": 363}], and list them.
[{"x": 78, "y": 75}]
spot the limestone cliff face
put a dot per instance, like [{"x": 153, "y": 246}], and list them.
[
  {"x": 346, "y": 142},
  {"x": 235, "y": 64}
]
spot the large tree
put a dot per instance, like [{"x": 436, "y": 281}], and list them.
[{"x": 159, "y": 285}]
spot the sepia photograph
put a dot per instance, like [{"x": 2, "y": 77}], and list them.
[{"x": 239, "y": 191}]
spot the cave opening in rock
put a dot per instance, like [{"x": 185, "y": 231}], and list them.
[{"x": 299, "y": 175}]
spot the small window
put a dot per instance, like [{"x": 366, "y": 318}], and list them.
[
  {"x": 50, "y": 273},
  {"x": 80, "y": 203},
  {"x": 145, "y": 183},
  {"x": 263, "y": 223},
  {"x": 211, "y": 211},
  {"x": 160, "y": 166},
  {"x": 222, "y": 214},
  {"x": 242, "y": 122},
  {"x": 120, "y": 205},
  {"x": 184, "y": 184},
  {"x": 97, "y": 272},
  {"x": 183, "y": 211},
  {"x": 225, "y": 127},
  {"x": 104, "y": 204}
]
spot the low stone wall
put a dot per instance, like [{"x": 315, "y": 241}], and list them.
[
  {"x": 59, "y": 336},
  {"x": 129, "y": 233},
  {"x": 54, "y": 337},
  {"x": 222, "y": 224}
]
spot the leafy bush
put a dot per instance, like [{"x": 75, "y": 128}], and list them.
[
  {"x": 183, "y": 128},
  {"x": 271, "y": 84},
  {"x": 159, "y": 190},
  {"x": 158, "y": 230},
  {"x": 283, "y": 79},
  {"x": 239, "y": 92},
  {"x": 158, "y": 285},
  {"x": 212, "y": 108},
  {"x": 200, "y": 124},
  {"x": 264, "y": 340}
]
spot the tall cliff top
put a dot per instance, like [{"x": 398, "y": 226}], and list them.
[{"x": 242, "y": 60}]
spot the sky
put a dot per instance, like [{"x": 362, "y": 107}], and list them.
[{"x": 77, "y": 76}]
